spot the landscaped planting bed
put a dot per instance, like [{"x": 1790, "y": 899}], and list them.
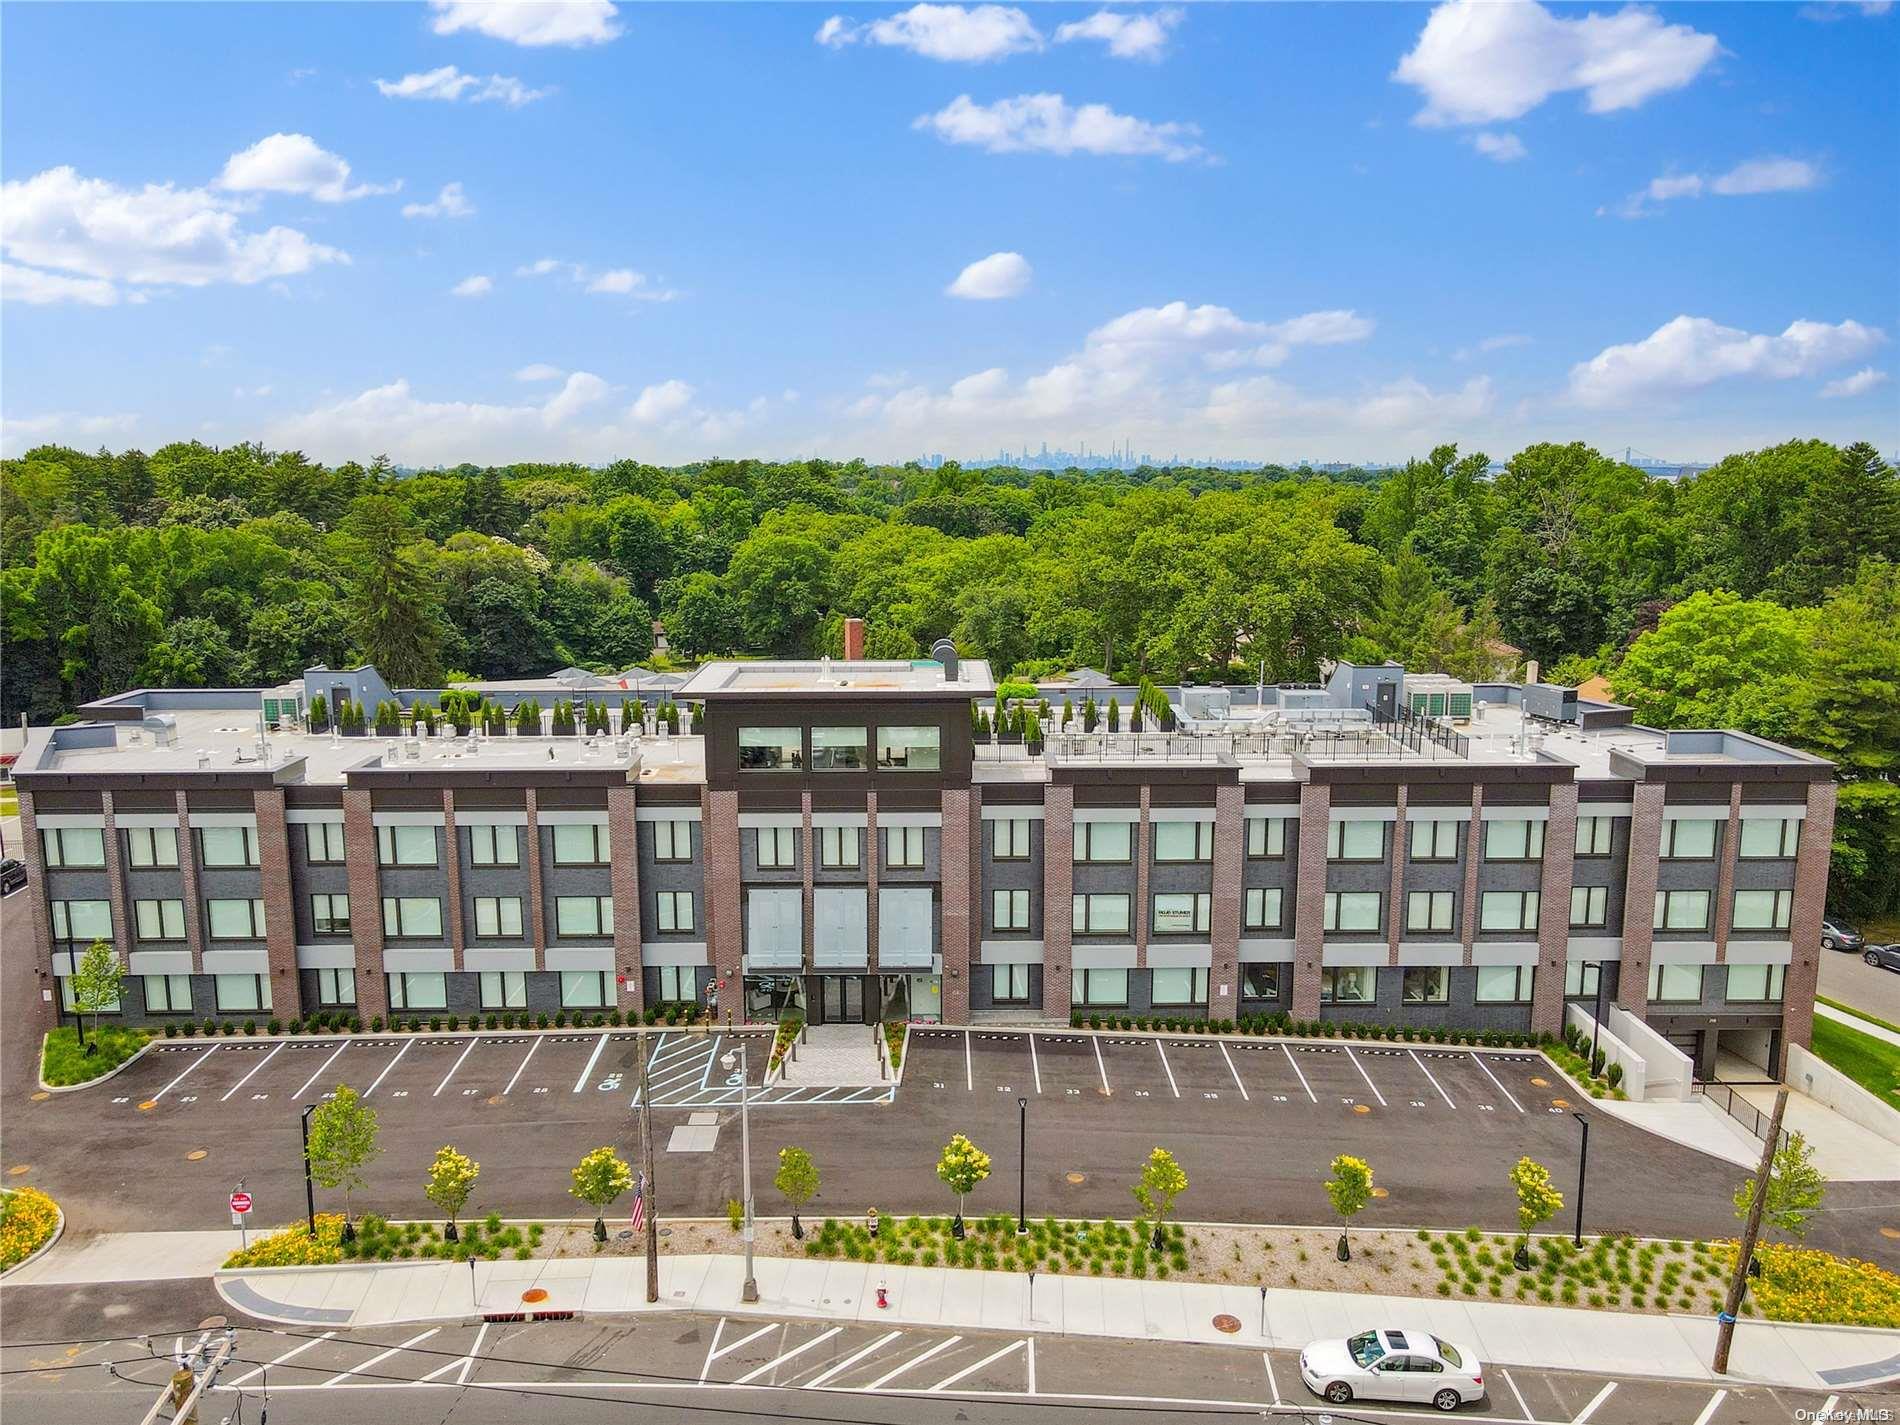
[
  {"x": 379, "y": 1240},
  {"x": 64, "y": 1062},
  {"x": 27, "y": 1219}
]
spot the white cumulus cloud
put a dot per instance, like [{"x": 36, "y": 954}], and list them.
[
  {"x": 1859, "y": 384},
  {"x": 1689, "y": 353},
  {"x": 1481, "y": 62},
  {"x": 533, "y": 23},
  {"x": 660, "y": 403},
  {"x": 21, "y": 433},
  {"x": 449, "y": 85},
  {"x": 1126, "y": 34},
  {"x": 295, "y": 163},
  {"x": 1048, "y": 123},
  {"x": 1502, "y": 148},
  {"x": 613, "y": 282},
  {"x": 1772, "y": 173},
  {"x": 988, "y": 279},
  {"x": 477, "y": 286},
  {"x": 451, "y": 202},
  {"x": 953, "y": 33},
  {"x": 539, "y": 371},
  {"x": 48, "y": 289}
]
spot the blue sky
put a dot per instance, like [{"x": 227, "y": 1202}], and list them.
[{"x": 1268, "y": 231}]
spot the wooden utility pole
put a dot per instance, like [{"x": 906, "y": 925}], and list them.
[
  {"x": 1764, "y": 1175},
  {"x": 646, "y": 1166}
]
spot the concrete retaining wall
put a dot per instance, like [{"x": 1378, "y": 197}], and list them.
[
  {"x": 1615, "y": 1051},
  {"x": 1669, "y": 1071},
  {"x": 1820, "y": 1080}
]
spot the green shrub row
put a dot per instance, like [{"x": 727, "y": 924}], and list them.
[
  {"x": 1285, "y": 1024},
  {"x": 342, "y": 1022}
]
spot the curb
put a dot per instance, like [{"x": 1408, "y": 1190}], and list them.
[
  {"x": 59, "y": 1230},
  {"x": 113, "y": 1072}
]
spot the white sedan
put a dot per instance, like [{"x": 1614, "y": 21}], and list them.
[{"x": 1409, "y": 1364}]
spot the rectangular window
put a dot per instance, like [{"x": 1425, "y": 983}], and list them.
[
  {"x": 1589, "y": 907},
  {"x": 69, "y": 1002},
  {"x": 583, "y": 915},
  {"x": 82, "y": 920},
  {"x": 506, "y": 989},
  {"x": 1763, "y": 910},
  {"x": 1183, "y": 840},
  {"x": 1769, "y": 839},
  {"x": 1010, "y": 839},
  {"x": 908, "y": 749},
  {"x": 497, "y": 915},
  {"x": 1754, "y": 983},
  {"x": 1689, "y": 839},
  {"x": 1581, "y": 978},
  {"x": 838, "y": 749},
  {"x": 149, "y": 846},
  {"x": 1177, "y": 913},
  {"x": 419, "y": 989},
  {"x": 1346, "y": 984},
  {"x": 583, "y": 989},
  {"x": 1514, "y": 840},
  {"x": 227, "y": 846},
  {"x": 1436, "y": 840},
  {"x": 1681, "y": 910},
  {"x": 406, "y": 845},
  {"x": 159, "y": 920},
  {"x": 1009, "y": 984},
  {"x": 1104, "y": 841},
  {"x": 1266, "y": 837},
  {"x": 771, "y": 749},
  {"x": 1503, "y": 984},
  {"x": 1425, "y": 984},
  {"x": 838, "y": 847},
  {"x": 679, "y": 983},
  {"x": 235, "y": 919},
  {"x": 168, "y": 994},
  {"x": 904, "y": 847},
  {"x": 323, "y": 843},
  {"x": 330, "y": 914},
  {"x": 1352, "y": 910},
  {"x": 1260, "y": 981},
  {"x": 583, "y": 844},
  {"x": 411, "y": 916},
  {"x": 777, "y": 847},
  {"x": 1177, "y": 987},
  {"x": 1428, "y": 910},
  {"x": 1675, "y": 984},
  {"x": 238, "y": 993},
  {"x": 672, "y": 841},
  {"x": 1098, "y": 987},
  {"x": 1009, "y": 910},
  {"x": 1507, "y": 910},
  {"x": 1261, "y": 910},
  {"x": 336, "y": 987},
  {"x": 494, "y": 846},
  {"x": 1355, "y": 841},
  {"x": 1100, "y": 915},
  {"x": 1593, "y": 835},
  {"x": 79, "y": 847},
  {"x": 675, "y": 910}
]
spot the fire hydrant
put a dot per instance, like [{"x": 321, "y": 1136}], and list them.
[{"x": 883, "y": 1300}]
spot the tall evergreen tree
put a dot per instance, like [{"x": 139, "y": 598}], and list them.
[{"x": 392, "y": 609}]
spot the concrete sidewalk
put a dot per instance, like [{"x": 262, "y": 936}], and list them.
[
  {"x": 83, "y": 1258},
  {"x": 1854, "y": 1021},
  {"x": 1806, "y": 1357}
]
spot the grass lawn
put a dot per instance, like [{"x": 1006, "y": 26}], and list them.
[
  {"x": 1872, "y": 1063},
  {"x": 1858, "y": 1013},
  {"x": 64, "y": 1062}
]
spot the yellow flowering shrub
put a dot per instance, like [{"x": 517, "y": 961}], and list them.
[
  {"x": 27, "y": 1219},
  {"x": 293, "y": 1246},
  {"x": 1806, "y": 1284}
]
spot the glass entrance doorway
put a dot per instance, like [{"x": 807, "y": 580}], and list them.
[
  {"x": 839, "y": 1000},
  {"x": 770, "y": 998}
]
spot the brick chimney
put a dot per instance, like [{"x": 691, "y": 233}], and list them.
[{"x": 853, "y": 640}]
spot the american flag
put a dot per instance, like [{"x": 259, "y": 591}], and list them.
[{"x": 639, "y": 1201}]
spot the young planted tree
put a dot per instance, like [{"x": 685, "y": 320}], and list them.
[
  {"x": 342, "y": 1144},
  {"x": 96, "y": 985},
  {"x": 796, "y": 1181},
  {"x": 1114, "y": 714},
  {"x": 1350, "y": 1189},
  {"x": 451, "y": 1180},
  {"x": 1795, "y": 1189},
  {"x": 962, "y": 1166},
  {"x": 1537, "y": 1202},
  {"x": 1162, "y": 1181},
  {"x": 599, "y": 1178},
  {"x": 319, "y": 713}
]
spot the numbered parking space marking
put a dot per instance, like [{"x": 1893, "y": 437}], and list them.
[
  {"x": 472, "y": 1042},
  {"x": 1165, "y": 1067},
  {"x": 1478, "y": 1059},
  {"x": 1364, "y": 1075},
  {"x": 1311, "y": 1096},
  {"x": 247, "y": 1078},
  {"x": 587, "y": 1072},
  {"x": 322, "y": 1068},
  {"x": 387, "y": 1067},
  {"x": 1428, "y": 1074},
  {"x": 1232, "y": 1070},
  {"x": 188, "y": 1069},
  {"x": 519, "y": 1067}
]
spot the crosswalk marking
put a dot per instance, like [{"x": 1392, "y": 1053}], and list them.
[
  {"x": 852, "y": 1360},
  {"x": 886, "y": 1379},
  {"x": 780, "y": 1360}
]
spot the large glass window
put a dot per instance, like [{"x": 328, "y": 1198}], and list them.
[
  {"x": 1011, "y": 839},
  {"x": 505, "y": 989},
  {"x": 1177, "y": 987},
  {"x": 227, "y": 845},
  {"x": 1261, "y": 908},
  {"x": 1100, "y": 915},
  {"x": 1581, "y": 978},
  {"x": 330, "y": 913},
  {"x": 838, "y": 847},
  {"x": 406, "y": 845},
  {"x": 1352, "y": 910},
  {"x": 235, "y": 919},
  {"x": 82, "y": 847},
  {"x": 904, "y": 847},
  {"x": 1182, "y": 913},
  {"x": 1098, "y": 987},
  {"x": 1682, "y": 910},
  {"x": 583, "y": 989},
  {"x": 1425, "y": 984},
  {"x": 494, "y": 845},
  {"x": 1689, "y": 838},
  {"x": 151, "y": 846},
  {"x": 1593, "y": 835},
  {"x": 1589, "y": 907},
  {"x": 1769, "y": 838},
  {"x": 777, "y": 847},
  {"x": 580, "y": 844},
  {"x": 1009, "y": 910},
  {"x": 323, "y": 843},
  {"x": 672, "y": 841},
  {"x": 1009, "y": 984},
  {"x": 1751, "y": 983},
  {"x": 1675, "y": 984},
  {"x": 82, "y": 920},
  {"x": 1266, "y": 837},
  {"x": 1428, "y": 910},
  {"x": 167, "y": 994},
  {"x": 1104, "y": 840},
  {"x": 1503, "y": 984},
  {"x": 1260, "y": 981},
  {"x": 1436, "y": 840},
  {"x": 674, "y": 910},
  {"x": 1508, "y": 910},
  {"x": 336, "y": 987},
  {"x": 678, "y": 983},
  {"x": 1183, "y": 840},
  {"x": 1346, "y": 984},
  {"x": 411, "y": 916},
  {"x": 770, "y": 749},
  {"x": 497, "y": 915},
  {"x": 1355, "y": 840},
  {"x": 908, "y": 749},
  {"x": 1763, "y": 910},
  {"x": 419, "y": 989},
  {"x": 69, "y": 1002},
  {"x": 838, "y": 749},
  {"x": 583, "y": 915},
  {"x": 159, "y": 920},
  {"x": 237, "y": 994},
  {"x": 1514, "y": 839}
]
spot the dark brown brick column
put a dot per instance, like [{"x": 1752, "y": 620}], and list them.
[
  {"x": 623, "y": 839},
  {"x": 1144, "y": 853},
  {"x": 280, "y": 913},
  {"x": 366, "y": 905},
  {"x": 1810, "y": 900},
  {"x": 1474, "y": 856},
  {"x": 452, "y": 862},
  {"x": 808, "y": 896},
  {"x": 1058, "y": 890},
  {"x": 122, "y": 938},
  {"x": 540, "y": 917},
  {"x": 1728, "y": 848},
  {"x": 869, "y": 850},
  {"x": 725, "y": 907},
  {"x": 1395, "y": 899},
  {"x": 954, "y": 886},
  {"x": 1553, "y": 911},
  {"x": 1230, "y": 852},
  {"x": 37, "y": 909},
  {"x": 188, "y": 874},
  {"x": 1309, "y": 899},
  {"x": 1639, "y": 897}
]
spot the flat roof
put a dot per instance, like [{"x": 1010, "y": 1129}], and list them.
[{"x": 838, "y": 677}]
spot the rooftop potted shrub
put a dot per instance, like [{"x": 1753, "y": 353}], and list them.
[{"x": 319, "y": 714}]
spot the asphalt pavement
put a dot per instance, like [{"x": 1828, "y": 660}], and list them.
[{"x": 1852, "y": 981}]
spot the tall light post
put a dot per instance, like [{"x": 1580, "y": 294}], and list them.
[
  {"x": 1022, "y": 1167},
  {"x": 1583, "y": 1164},
  {"x": 731, "y": 1059},
  {"x": 309, "y": 1187},
  {"x": 1596, "y": 1019}
]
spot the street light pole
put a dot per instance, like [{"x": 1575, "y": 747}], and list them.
[
  {"x": 1596, "y": 1020},
  {"x": 1583, "y": 1163},
  {"x": 309, "y": 1187},
  {"x": 1022, "y": 1167},
  {"x": 750, "y": 1292}
]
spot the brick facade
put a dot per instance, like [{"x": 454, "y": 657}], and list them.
[
  {"x": 623, "y": 837},
  {"x": 538, "y": 921},
  {"x": 1810, "y": 902},
  {"x": 1474, "y": 857},
  {"x": 1058, "y": 881},
  {"x": 1553, "y": 914},
  {"x": 1143, "y": 914},
  {"x": 1639, "y": 898},
  {"x": 366, "y": 905},
  {"x": 1727, "y": 850},
  {"x": 725, "y": 905},
  {"x": 1230, "y": 852},
  {"x": 194, "y": 900},
  {"x": 1309, "y": 899},
  {"x": 280, "y": 911},
  {"x": 1395, "y": 899},
  {"x": 872, "y": 855},
  {"x": 39, "y": 911},
  {"x": 122, "y": 939},
  {"x": 452, "y": 860},
  {"x": 957, "y": 890}
]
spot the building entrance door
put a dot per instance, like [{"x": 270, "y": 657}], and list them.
[{"x": 840, "y": 999}]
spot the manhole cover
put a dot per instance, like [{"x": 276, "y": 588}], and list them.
[
  {"x": 1884, "y": 1232},
  {"x": 1076, "y": 1178},
  {"x": 148, "y": 1105},
  {"x": 41, "y": 1096},
  {"x": 1560, "y": 1103},
  {"x": 1380, "y": 1192},
  {"x": 196, "y": 1155},
  {"x": 1540, "y": 1083},
  {"x": 624, "y": 1234},
  {"x": 494, "y": 1098},
  {"x": 1362, "y": 1108},
  {"x": 534, "y": 1294},
  {"x": 25, "y": 1168},
  {"x": 666, "y": 1231},
  {"x": 1229, "y": 1324}
]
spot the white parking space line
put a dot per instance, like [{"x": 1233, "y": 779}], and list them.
[
  {"x": 652, "y": 1054},
  {"x": 473, "y": 1041},
  {"x": 1516, "y": 1392},
  {"x": 320, "y": 1068},
  {"x": 1272, "y": 1384},
  {"x": 1708, "y": 1411},
  {"x": 387, "y": 1067},
  {"x": 1034, "y": 1064},
  {"x": 1364, "y": 1075},
  {"x": 851, "y": 1360},
  {"x": 1170, "y": 1072},
  {"x": 254, "y": 1068},
  {"x": 1031, "y": 1352},
  {"x": 1296, "y": 1069},
  {"x": 1494, "y": 1079},
  {"x": 1441, "y": 1090},
  {"x": 377, "y": 1360},
  {"x": 711, "y": 1059},
  {"x": 1591, "y": 1408},
  {"x": 1826, "y": 1412},
  {"x": 475, "y": 1350},
  {"x": 990, "y": 1359},
  {"x": 1100, "y": 1067},
  {"x": 937, "y": 1349},
  {"x": 718, "y": 1350},
  {"x": 519, "y": 1067},
  {"x": 293, "y": 1351},
  {"x": 188, "y": 1068},
  {"x": 780, "y": 1360},
  {"x": 969, "y": 1076},
  {"x": 592, "y": 1059},
  {"x": 1235, "y": 1072}
]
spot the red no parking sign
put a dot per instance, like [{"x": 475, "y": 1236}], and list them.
[{"x": 240, "y": 1203}]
